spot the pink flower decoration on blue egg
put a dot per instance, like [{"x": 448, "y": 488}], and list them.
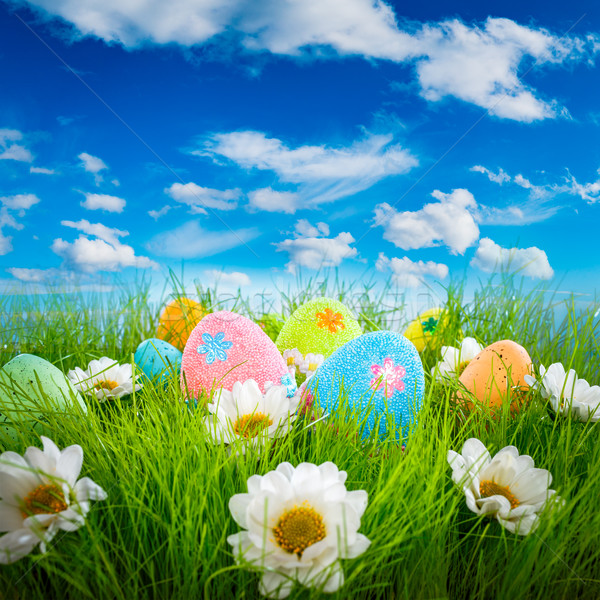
[{"x": 388, "y": 377}]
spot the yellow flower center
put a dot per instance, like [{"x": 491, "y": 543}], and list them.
[
  {"x": 490, "y": 488},
  {"x": 461, "y": 367},
  {"x": 298, "y": 529},
  {"x": 290, "y": 361},
  {"x": 312, "y": 366},
  {"x": 46, "y": 499},
  {"x": 250, "y": 426},
  {"x": 106, "y": 384}
]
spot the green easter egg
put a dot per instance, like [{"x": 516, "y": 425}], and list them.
[
  {"x": 320, "y": 326},
  {"x": 31, "y": 387}
]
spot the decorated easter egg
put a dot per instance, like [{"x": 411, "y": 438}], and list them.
[
  {"x": 178, "y": 320},
  {"x": 320, "y": 326},
  {"x": 158, "y": 359},
  {"x": 381, "y": 376},
  {"x": 426, "y": 328},
  {"x": 31, "y": 387},
  {"x": 496, "y": 376},
  {"x": 226, "y": 347}
]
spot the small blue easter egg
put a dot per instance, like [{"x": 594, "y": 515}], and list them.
[
  {"x": 380, "y": 375},
  {"x": 158, "y": 359}
]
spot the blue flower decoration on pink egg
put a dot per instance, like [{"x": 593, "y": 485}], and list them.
[
  {"x": 214, "y": 348},
  {"x": 290, "y": 384}
]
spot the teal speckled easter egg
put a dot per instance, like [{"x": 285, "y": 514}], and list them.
[
  {"x": 381, "y": 376},
  {"x": 30, "y": 388},
  {"x": 158, "y": 360},
  {"x": 320, "y": 326}
]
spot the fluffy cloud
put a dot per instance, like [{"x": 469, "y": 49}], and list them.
[
  {"x": 305, "y": 229},
  {"x": 19, "y": 203},
  {"x": 407, "y": 273},
  {"x": 200, "y": 198},
  {"x": 309, "y": 248},
  {"x": 235, "y": 278},
  {"x": 476, "y": 63},
  {"x": 103, "y": 202},
  {"x": 93, "y": 164},
  {"x": 325, "y": 173},
  {"x": 9, "y": 150},
  {"x": 192, "y": 241},
  {"x": 531, "y": 262},
  {"x": 589, "y": 192},
  {"x": 269, "y": 200},
  {"x": 103, "y": 253},
  {"x": 31, "y": 275},
  {"x": 157, "y": 214},
  {"x": 449, "y": 222}
]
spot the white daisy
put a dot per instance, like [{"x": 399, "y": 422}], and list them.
[
  {"x": 310, "y": 363},
  {"x": 248, "y": 415},
  {"x": 507, "y": 487},
  {"x": 297, "y": 525},
  {"x": 104, "y": 378},
  {"x": 292, "y": 359},
  {"x": 40, "y": 495},
  {"x": 455, "y": 360},
  {"x": 568, "y": 393}
]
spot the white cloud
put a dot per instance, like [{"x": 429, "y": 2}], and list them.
[
  {"x": 407, "y": 273},
  {"x": 190, "y": 240},
  {"x": 235, "y": 278},
  {"x": 476, "y": 63},
  {"x": 103, "y": 202},
  {"x": 586, "y": 191},
  {"x": 11, "y": 151},
  {"x": 531, "y": 262},
  {"x": 42, "y": 170},
  {"x": 269, "y": 200},
  {"x": 480, "y": 65},
  {"x": 310, "y": 248},
  {"x": 5, "y": 243},
  {"x": 157, "y": 214},
  {"x": 20, "y": 202},
  {"x": 108, "y": 234},
  {"x": 200, "y": 198},
  {"x": 104, "y": 253},
  {"x": 500, "y": 177},
  {"x": 305, "y": 229},
  {"x": 449, "y": 222},
  {"x": 325, "y": 173},
  {"x": 93, "y": 164},
  {"x": 31, "y": 275}
]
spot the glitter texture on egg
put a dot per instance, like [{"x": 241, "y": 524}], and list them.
[
  {"x": 426, "y": 329},
  {"x": 226, "y": 347},
  {"x": 320, "y": 326},
  {"x": 380, "y": 373}
]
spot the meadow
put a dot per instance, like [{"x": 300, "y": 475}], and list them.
[{"x": 162, "y": 531}]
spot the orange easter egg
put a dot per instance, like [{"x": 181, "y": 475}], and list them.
[
  {"x": 496, "y": 376},
  {"x": 178, "y": 320}
]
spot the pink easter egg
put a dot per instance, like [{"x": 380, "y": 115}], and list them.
[{"x": 225, "y": 347}]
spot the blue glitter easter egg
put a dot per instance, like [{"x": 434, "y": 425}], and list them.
[
  {"x": 380, "y": 375},
  {"x": 158, "y": 359}
]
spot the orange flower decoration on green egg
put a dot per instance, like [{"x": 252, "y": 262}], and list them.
[{"x": 330, "y": 320}]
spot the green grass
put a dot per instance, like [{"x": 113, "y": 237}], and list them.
[{"x": 162, "y": 531}]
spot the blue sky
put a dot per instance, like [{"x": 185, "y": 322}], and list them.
[{"x": 252, "y": 140}]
